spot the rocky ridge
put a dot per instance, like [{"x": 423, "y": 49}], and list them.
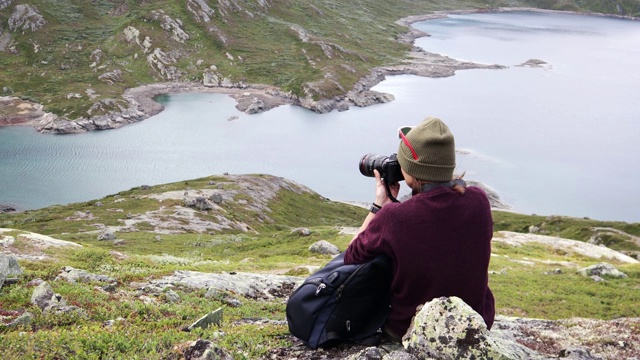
[
  {"x": 137, "y": 103},
  {"x": 164, "y": 54}
]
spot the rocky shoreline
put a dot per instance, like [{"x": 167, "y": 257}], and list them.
[
  {"x": 256, "y": 98},
  {"x": 251, "y": 98}
]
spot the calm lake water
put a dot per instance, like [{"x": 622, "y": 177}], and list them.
[{"x": 562, "y": 139}]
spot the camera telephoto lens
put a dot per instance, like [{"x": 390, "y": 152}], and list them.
[
  {"x": 387, "y": 166},
  {"x": 371, "y": 162}
]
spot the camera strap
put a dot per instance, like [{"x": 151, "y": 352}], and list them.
[{"x": 391, "y": 197}]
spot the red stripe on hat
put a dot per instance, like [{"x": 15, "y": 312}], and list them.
[{"x": 406, "y": 142}]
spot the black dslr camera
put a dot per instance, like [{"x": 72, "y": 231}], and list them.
[{"x": 387, "y": 166}]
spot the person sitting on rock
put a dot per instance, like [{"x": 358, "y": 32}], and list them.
[{"x": 439, "y": 240}]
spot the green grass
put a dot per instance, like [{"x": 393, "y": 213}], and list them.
[
  {"x": 525, "y": 283},
  {"x": 153, "y": 330},
  {"x": 574, "y": 228},
  {"x": 523, "y": 279},
  {"x": 361, "y": 35}
]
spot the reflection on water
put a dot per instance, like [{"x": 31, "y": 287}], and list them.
[{"x": 555, "y": 140}]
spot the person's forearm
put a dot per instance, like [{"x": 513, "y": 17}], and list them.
[{"x": 365, "y": 223}]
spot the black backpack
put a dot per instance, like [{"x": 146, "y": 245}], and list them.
[{"x": 341, "y": 303}]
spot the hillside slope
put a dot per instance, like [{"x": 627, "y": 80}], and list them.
[
  {"x": 74, "y": 59},
  {"x": 135, "y": 268}
]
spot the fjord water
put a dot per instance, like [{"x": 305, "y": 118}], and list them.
[{"x": 561, "y": 139}]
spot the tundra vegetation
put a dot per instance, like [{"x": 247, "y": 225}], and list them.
[
  {"x": 76, "y": 58},
  {"x": 251, "y": 224}
]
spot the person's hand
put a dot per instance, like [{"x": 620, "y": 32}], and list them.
[{"x": 382, "y": 197}]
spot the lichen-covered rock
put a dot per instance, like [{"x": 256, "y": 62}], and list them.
[
  {"x": 41, "y": 296},
  {"x": 107, "y": 234},
  {"x": 8, "y": 266},
  {"x": 161, "y": 62},
  {"x": 205, "y": 350},
  {"x": 111, "y": 77},
  {"x": 321, "y": 106},
  {"x": 6, "y": 209},
  {"x": 132, "y": 34},
  {"x": 25, "y": 17},
  {"x": 602, "y": 269},
  {"x": 447, "y": 328},
  {"x": 324, "y": 247},
  {"x": 368, "y": 98},
  {"x": 211, "y": 78},
  {"x": 302, "y": 231},
  {"x": 198, "y": 202},
  {"x": 5, "y": 3},
  {"x": 104, "y": 106},
  {"x": 73, "y": 275},
  {"x": 169, "y": 24},
  {"x": 255, "y": 286},
  {"x": 200, "y": 9},
  {"x": 50, "y": 302}
]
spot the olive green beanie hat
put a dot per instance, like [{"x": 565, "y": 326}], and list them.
[{"x": 431, "y": 155}]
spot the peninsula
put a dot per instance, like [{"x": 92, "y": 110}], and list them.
[{"x": 98, "y": 66}]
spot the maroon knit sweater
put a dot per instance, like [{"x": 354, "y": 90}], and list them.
[{"x": 439, "y": 243}]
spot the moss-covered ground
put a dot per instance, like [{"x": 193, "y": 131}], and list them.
[{"x": 525, "y": 280}]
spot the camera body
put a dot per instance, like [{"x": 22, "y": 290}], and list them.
[{"x": 387, "y": 166}]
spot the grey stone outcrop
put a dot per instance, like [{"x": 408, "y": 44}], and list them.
[
  {"x": 368, "y": 98},
  {"x": 6, "y": 208},
  {"x": 448, "y": 328},
  {"x": 198, "y": 202},
  {"x": 577, "y": 354},
  {"x": 42, "y": 295},
  {"x": 201, "y": 10},
  {"x": 171, "y": 296},
  {"x": 601, "y": 270},
  {"x": 5, "y": 3},
  {"x": 111, "y": 77},
  {"x": 161, "y": 61},
  {"x": 25, "y": 17},
  {"x": 324, "y": 247},
  {"x": 8, "y": 267},
  {"x": 570, "y": 246},
  {"x": 302, "y": 231},
  {"x": 107, "y": 234},
  {"x": 205, "y": 350},
  {"x": 255, "y": 286},
  {"x": 24, "y": 319},
  {"x": 170, "y": 25},
  {"x": 73, "y": 275},
  {"x": 50, "y": 302}
]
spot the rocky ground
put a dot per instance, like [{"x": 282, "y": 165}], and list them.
[{"x": 574, "y": 338}]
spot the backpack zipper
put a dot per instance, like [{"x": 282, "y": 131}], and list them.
[
  {"x": 320, "y": 287},
  {"x": 346, "y": 282}
]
